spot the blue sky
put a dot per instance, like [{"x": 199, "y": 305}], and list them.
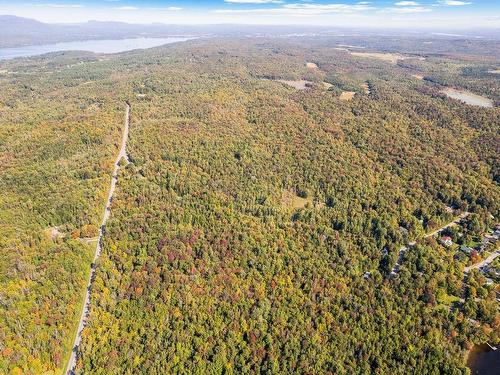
[{"x": 396, "y": 13}]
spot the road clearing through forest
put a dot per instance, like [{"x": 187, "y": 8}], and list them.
[
  {"x": 107, "y": 210},
  {"x": 452, "y": 224},
  {"x": 484, "y": 262}
]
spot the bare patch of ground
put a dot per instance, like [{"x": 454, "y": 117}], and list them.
[
  {"x": 496, "y": 71},
  {"x": 350, "y": 46},
  {"x": 299, "y": 85},
  {"x": 302, "y": 84},
  {"x": 418, "y": 76},
  {"x": 347, "y": 95},
  {"x": 387, "y": 57},
  {"x": 366, "y": 88},
  {"x": 292, "y": 200},
  {"x": 311, "y": 65},
  {"x": 54, "y": 233},
  {"x": 468, "y": 97},
  {"x": 89, "y": 240}
]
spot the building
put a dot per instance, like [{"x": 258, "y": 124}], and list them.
[
  {"x": 466, "y": 249},
  {"x": 446, "y": 241}
]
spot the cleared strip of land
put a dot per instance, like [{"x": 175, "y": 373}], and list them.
[{"x": 86, "y": 305}]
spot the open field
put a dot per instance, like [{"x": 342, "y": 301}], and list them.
[
  {"x": 347, "y": 95},
  {"x": 299, "y": 84},
  {"x": 468, "y": 97},
  {"x": 387, "y": 57}
]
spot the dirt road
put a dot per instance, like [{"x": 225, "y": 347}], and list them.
[{"x": 107, "y": 210}]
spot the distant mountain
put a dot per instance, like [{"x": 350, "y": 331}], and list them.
[
  {"x": 13, "y": 24},
  {"x": 18, "y": 31}
]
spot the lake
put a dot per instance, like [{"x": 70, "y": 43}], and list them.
[
  {"x": 96, "y": 46},
  {"x": 468, "y": 97},
  {"x": 484, "y": 361}
]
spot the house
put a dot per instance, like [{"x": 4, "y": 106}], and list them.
[
  {"x": 489, "y": 281},
  {"x": 493, "y": 272},
  {"x": 466, "y": 249},
  {"x": 480, "y": 248},
  {"x": 446, "y": 241}
]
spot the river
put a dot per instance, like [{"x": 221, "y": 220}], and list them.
[
  {"x": 96, "y": 46},
  {"x": 484, "y": 361}
]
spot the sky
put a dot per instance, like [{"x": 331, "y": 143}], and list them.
[{"x": 456, "y": 14}]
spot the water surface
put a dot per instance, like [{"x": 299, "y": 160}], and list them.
[
  {"x": 484, "y": 361},
  {"x": 96, "y": 46}
]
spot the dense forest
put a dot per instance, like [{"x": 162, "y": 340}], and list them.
[
  {"x": 257, "y": 224},
  {"x": 57, "y": 144}
]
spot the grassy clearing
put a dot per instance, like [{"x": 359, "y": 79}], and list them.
[
  {"x": 299, "y": 85},
  {"x": 446, "y": 299},
  {"x": 387, "y": 57},
  {"x": 292, "y": 200},
  {"x": 347, "y": 95}
]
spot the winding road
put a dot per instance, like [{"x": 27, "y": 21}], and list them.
[{"x": 86, "y": 305}]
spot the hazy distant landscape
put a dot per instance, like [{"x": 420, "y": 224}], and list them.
[
  {"x": 96, "y": 46},
  {"x": 249, "y": 198}
]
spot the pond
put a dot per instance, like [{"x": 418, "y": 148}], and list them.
[
  {"x": 96, "y": 46},
  {"x": 483, "y": 360},
  {"x": 468, "y": 97}
]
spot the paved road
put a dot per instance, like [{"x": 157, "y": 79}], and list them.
[
  {"x": 404, "y": 249},
  {"x": 453, "y": 223},
  {"x": 484, "y": 262},
  {"x": 86, "y": 305}
]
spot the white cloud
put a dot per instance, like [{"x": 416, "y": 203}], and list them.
[
  {"x": 60, "y": 5},
  {"x": 406, "y": 4},
  {"x": 174, "y": 9},
  {"x": 253, "y": 1},
  {"x": 300, "y": 10},
  {"x": 126, "y": 8},
  {"x": 327, "y": 8},
  {"x": 407, "y": 10},
  {"x": 454, "y": 2}
]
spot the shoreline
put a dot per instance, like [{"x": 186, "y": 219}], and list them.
[{"x": 478, "y": 365}]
